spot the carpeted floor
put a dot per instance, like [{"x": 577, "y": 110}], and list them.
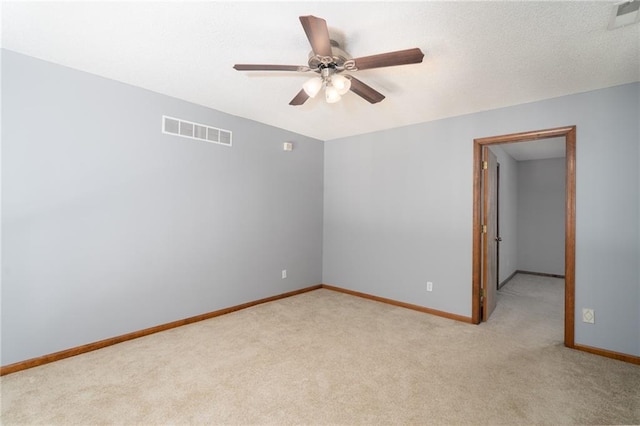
[{"x": 329, "y": 358}]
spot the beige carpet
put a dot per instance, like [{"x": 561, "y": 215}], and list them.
[{"x": 329, "y": 358}]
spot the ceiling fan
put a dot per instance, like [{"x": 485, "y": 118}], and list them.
[{"x": 330, "y": 62}]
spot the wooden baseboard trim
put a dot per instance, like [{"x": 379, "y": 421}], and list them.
[
  {"x": 400, "y": 304},
  {"x": 45, "y": 359},
  {"x": 609, "y": 354},
  {"x": 503, "y": 283},
  {"x": 540, "y": 274}
]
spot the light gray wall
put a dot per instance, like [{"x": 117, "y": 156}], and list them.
[
  {"x": 540, "y": 212},
  {"x": 508, "y": 208},
  {"x": 110, "y": 226},
  {"x": 398, "y": 209}
]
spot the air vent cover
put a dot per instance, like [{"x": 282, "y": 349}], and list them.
[
  {"x": 623, "y": 14},
  {"x": 201, "y": 132}
]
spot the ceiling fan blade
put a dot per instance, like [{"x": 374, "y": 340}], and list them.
[
  {"x": 389, "y": 59},
  {"x": 318, "y": 35},
  {"x": 264, "y": 67},
  {"x": 300, "y": 98},
  {"x": 364, "y": 91}
]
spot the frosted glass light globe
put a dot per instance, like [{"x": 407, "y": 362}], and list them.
[
  {"x": 341, "y": 83},
  {"x": 312, "y": 86},
  {"x": 332, "y": 95}
]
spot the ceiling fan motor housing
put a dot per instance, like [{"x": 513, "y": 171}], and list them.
[{"x": 337, "y": 61}]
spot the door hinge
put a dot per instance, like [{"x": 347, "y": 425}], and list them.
[
  {"x": 485, "y": 165},
  {"x": 484, "y": 229},
  {"x": 483, "y": 293}
]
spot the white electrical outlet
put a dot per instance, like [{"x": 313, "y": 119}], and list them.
[
  {"x": 284, "y": 274},
  {"x": 588, "y": 316},
  {"x": 429, "y": 286}
]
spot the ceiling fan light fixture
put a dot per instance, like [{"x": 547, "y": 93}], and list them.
[
  {"x": 332, "y": 95},
  {"x": 341, "y": 83},
  {"x": 312, "y": 86},
  {"x": 328, "y": 60}
]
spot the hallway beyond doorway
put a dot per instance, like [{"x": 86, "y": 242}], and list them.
[{"x": 533, "y": 305}]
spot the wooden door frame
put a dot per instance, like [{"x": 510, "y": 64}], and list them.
[{"x": 569, "y": 134}]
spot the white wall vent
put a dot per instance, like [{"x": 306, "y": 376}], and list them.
[
  {"x": 201, "y": 132},
  {"x": 625, "y": 13}
]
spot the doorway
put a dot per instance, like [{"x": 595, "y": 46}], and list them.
[{"x": 483, "y": 284}]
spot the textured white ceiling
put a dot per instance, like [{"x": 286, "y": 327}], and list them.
[{"x": 478, "y": 55}]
